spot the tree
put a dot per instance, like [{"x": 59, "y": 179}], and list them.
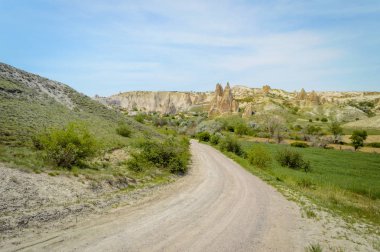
[
  {"x": 274, "y": 125},
  {"x": 358, "y": 137},
  {"x": 336, "y": 130}
]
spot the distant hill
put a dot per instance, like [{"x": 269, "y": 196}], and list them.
[{"x": 341, "y": 106}]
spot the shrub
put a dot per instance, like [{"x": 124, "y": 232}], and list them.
[
  {"x": 313, "y": 130},
  {"x": 215, "y": 139},
  {"x": 297, "y": 127},
  {"x": 324, "y": 119},
  {"x": 68, "y": 146},
  {"x": 299, "y": 144},
  {"x": 123, "y": 130},
  {"x": 259, "y": 157},
  {"x": 241, "y": 128},
  {"x": 140, "y": 118},
  {"x": 292, "y": 159},
  {"x": 231, "y": 144},
  {"x": 137, "y": 163},
  {"x": 314, "y": 248},
  {"x": 210, "y": 126},
  {"x": 374, "y": 145},
  {"x": 203, "y": 136},
  {"x": 310, "y": 120},
  {"x": 159, "y": 121},
  {"x": 171, "y": 154}
]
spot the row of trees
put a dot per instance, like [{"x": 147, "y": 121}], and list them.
[{"x": 275, "y": 127}]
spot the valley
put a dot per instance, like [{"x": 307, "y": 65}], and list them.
[{"x": 71, "y": 164}]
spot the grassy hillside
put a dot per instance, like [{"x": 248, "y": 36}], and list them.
[
  {"x": 32, "y": 105},
  {"x": 25, "y": 111}
]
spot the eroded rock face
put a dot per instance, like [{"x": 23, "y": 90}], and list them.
[
  {"x": 311, "y": 98},
  {"x": 314, "y": 98},
  {"x": 56, "y": 90},
  {"x": 223, "y": 101},
  {"x": 302, "y": 95},
  {"x": 248, "y": 111},
  {"x": 161, "y": 102}
]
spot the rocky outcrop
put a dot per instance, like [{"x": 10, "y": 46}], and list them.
[
  {"x": 160, "y": 102},
  {"x": 231, "y": 99},
  {"x": 223, "y": 101},
  {"x": 309, "y": 99},
  {"x": 248, "y": 111},
  {"x": 314, "y": 98},
  {"x": 56, "y": 90},
  {"x": 266, "y": 89},
  {"x": 302, "y": 95}
]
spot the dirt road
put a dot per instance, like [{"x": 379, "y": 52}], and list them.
[{"x": 217, "y": 207}]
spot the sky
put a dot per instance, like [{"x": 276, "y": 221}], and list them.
[{"x": 110, "y": 46}]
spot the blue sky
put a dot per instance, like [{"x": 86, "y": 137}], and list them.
[{"x": 103, "y": 47}]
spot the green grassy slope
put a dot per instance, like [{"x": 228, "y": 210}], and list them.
[
  {"x": 25, "y": 111},
  {"x": 30, "y": 104},
  {"x": 344, "y": 181}
]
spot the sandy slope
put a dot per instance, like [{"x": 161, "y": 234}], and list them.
[{"x": 218, "y": 207}]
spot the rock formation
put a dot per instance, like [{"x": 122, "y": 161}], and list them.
[
  {"x": 160, "y": 102},
  {"x": 231, "y": 99},
  {"x": 302, "y": 95},
  {"x": 266, "y": 89},
  {"x": 314, "y": 98},
  {"x": 311, "y": 99},
  {"x": 248, "y": 111},
  {"x": 223, "y": 101}
]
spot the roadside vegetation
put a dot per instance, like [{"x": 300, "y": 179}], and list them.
[
  {"x": 82, "y": 138},
  {"x": 345, "y": 182}
]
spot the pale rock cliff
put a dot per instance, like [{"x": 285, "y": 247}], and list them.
[{"x": 162, "y": 102}]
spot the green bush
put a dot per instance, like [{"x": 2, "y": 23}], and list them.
[
  {"x": 210, "y": 126},
  {"x": 299, "y": 144},
  {"x": 140, "y": 118},
  {"x": 292, "y": 159},
  {"x": 123, "y": 130},
  {"x": 138, "y": 163},
  {"x": 68, "y": 146},
  {"x": 231, "y": 144},
  {"x": 374, "y": 145},
  {"x": 297, "y": 127},
  {"x": 215, "y": 139},
  {"x": 259, "y": 157},
  {"x": 203, "y": 136},
  {"x": 171, "y": 154},
  {"x": 324, "y": 119},
  {"x": 241, "y": 128},
  {"x": 313, "y": 130}
]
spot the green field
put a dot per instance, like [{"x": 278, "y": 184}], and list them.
[{"x": 344, "y": 181}]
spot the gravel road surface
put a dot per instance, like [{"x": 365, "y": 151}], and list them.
[{"x": 217, "y": 207}]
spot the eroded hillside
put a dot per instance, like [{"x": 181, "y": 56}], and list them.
[{"x": 344, "y": 107}]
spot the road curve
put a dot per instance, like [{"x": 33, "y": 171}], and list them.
[{"x": 218, "y": 207}]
